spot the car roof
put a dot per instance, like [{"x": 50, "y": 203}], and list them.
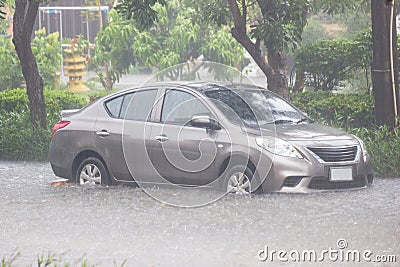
[
  {"x": 200, "y": 87},
  {"x": 205, "y": 86}
]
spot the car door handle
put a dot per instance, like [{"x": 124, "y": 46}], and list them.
[
  {"x": 161, "y": 138},
  {"x": 103, "y": 133}
]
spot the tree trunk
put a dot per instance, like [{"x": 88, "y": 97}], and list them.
[
  {"x": 299, "y": 83},
  {"x": 275, "y": 70},
  {"x": 386, "y": 91},
  {"x": 24, "y": 20},
  {"x": 279, "y": 80}
]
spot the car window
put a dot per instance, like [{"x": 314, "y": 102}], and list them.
[
  {"x": 282, "y": 111},
  {"x": 114, "y": 106},
  {"x": 233, "y": 106},
  {"x": 254, "y": 108},
  {"x": 179, "y": 107},
  {"x": 138, "y": 106}
]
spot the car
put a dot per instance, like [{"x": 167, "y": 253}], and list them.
[{"x": 233, "y": 137}]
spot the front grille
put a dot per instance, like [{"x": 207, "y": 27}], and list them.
[
  {"x": 323, "y": 183},
  {"x": 335, "y": 154}
]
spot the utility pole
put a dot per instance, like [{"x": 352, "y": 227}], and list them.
[{"x": 385, "y": 63}]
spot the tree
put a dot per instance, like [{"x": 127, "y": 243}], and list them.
[
  {"x": 46, "y": 49},
  {"x": 24, "y": 20},
  {"x": 175, "y": 36},
  {"x": 113, "y": 49},
  {"x": 141, "y": 11},
  {"x": 385, "y": 67},
  {"x": 279, "y": 27}
]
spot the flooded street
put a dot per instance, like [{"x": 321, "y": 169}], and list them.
[{"x": 107, "y": 224}]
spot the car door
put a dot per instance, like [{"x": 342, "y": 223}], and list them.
[
  {"x": 181, "y": 153},
  {"x": 121, "y": 134}
]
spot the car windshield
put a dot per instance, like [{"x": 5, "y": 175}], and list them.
[{"x": 255, "y": 107}]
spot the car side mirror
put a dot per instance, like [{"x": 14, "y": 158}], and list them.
[{"x": 205, "y": 122}]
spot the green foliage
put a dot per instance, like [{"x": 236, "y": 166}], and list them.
[
  {"x": 313, "y": 31},
  {"x": 327, "y": 63},
  {"x": 282, "y": 25},
  {"x": 221, "y": 47},
  {"x": 16, "y": 100},
  {"x": 51, "y": 259},
  {"x": 48, "y": 57},
  {"x": 13, "y": 100},
  {"x": 141, "y": 11},
  {"x": 2, "y": 14},
  {"x": 172, "y": 40},
  {"x": 384, "y": 147},
  {"x": 340, "y": 110},
  {"x": 18, "y": 139},
  {"x": 46, "y": 49},
  {"x": 334, "y": 6},
  {"x": 10, "y": 69},
  {"x": 113, "y": 49},
  {"x": 93, "y": 96},
  {"x": 357, "y": 19},
  {"x": 177, "y": 38},
  {"x": 362, "y": 52}
]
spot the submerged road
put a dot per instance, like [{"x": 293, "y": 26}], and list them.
[{"x": 111, "y": 224}]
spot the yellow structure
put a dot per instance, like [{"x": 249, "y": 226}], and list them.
[{"x": 75, "y": 68}]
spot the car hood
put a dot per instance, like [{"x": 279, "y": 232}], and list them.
[
  {"x": 303, "y": 132},
  {"x": 311, "y": 131}
]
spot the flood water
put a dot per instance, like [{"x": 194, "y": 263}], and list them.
[{"x": 107, "y": 224}]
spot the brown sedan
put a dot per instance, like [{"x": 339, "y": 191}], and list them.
[{"x": 236, "y": 137}]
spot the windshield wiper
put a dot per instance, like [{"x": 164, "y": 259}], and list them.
[
  {"x": 302, "y": 120},
  {"x": 283, "y": 121}
]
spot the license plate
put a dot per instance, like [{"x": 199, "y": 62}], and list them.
[{"x": 341, "y": 174}]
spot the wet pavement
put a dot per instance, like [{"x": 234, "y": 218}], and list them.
[{"x": 107, "y": 224}]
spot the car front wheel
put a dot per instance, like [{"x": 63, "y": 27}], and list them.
[{"x": 238, "y": 180}]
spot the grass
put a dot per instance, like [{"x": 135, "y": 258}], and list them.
[{"x": 50, "y": 260}]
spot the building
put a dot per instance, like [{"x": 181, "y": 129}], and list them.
[{"x": 72, "y": 18}]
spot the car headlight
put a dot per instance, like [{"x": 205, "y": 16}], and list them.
[
  {"x": 363, "y": 147},
  {"x": 278, "y": 146}
]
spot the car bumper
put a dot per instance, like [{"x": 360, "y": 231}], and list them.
[{"x": 293, "y": 175}]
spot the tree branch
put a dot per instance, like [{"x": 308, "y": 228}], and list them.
[
  {"x": 244, "y": 13},
  {"x": 258, "y": 43},
  {"x": 237, "y": 16}
]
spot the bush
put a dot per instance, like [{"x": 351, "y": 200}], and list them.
[
  {"x": 17, "y": 99},
  {"x": 326, "y": 64},
  {"x": 46, "y": 49},
  {"x": 48, "y": 57},
  {"x": 340, "y": 110},
  {"x": 18, "y": 139},
  {"x": 384, "y": 147},
  {"x": 93, "y": 96},
  {"x": 10, "y": 69},
  {"x": 58, "y": 100},
  {"x": 13, "y": 100}
]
